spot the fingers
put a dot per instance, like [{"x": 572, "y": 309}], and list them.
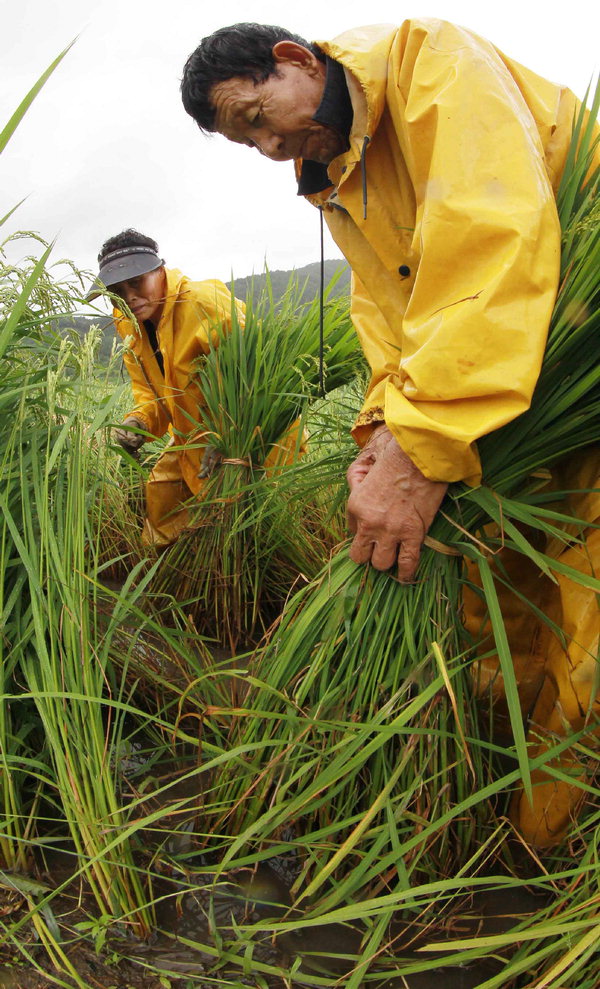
[
  {"x": 358, "y": 470},
  {"x": 383, "y": 554},
  {"x": 361, "y": 548},
  {"x": 121, "y": 436},
  {"x": 378, "y": 548},
  {"x": 408, "y": 560},
  {"x": 128, "y": 440}
]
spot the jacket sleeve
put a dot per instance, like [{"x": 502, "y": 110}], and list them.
[
  {"x": 148, "y": 407},
  {"x": 488, "y": 241},
  {"x": 210, "y": 309}
]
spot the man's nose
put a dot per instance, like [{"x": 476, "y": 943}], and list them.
[
  {"x": 128, "y": 292},
  {"x": 270, "y": 145}
]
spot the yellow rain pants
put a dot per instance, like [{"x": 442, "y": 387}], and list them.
[
  {"x": 166, "y": 494},
  {"x": 444, "y": 208},
  {"x": 558, "y": 680}
]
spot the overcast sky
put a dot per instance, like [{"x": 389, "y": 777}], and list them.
[{"x": 108, "y": 145}]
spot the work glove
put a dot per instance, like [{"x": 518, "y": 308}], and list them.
[
  {"x": 211, "y": 459},
  {"x": 127, "y": 436}
]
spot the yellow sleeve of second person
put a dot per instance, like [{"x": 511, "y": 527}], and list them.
[
  {"x": 488, "y": 238},
  {"x": 205, "y": 310},
  {"x": 148, "y": 406}
]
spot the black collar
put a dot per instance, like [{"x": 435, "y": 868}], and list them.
[{"x": 335, "y": 111}]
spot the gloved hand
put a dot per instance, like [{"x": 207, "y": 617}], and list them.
[
  {"x": 127, "y": 436},
  {"x": 210, "y": 460}
]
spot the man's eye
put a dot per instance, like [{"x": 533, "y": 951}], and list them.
[{"x": 256, "y": 120}]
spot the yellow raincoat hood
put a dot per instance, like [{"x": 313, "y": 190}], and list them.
[{"x": 444, "y": 208}]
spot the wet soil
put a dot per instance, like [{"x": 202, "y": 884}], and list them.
[
  {"x": 194, "y": 916},
  {"x": 193, "y": 911}
]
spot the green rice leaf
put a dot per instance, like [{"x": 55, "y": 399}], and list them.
[
  {"x": 9, "y": 128},
  {"x": 511, "y": 689}
]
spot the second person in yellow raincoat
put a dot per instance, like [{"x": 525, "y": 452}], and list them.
[{"x": 175, "y": 324}]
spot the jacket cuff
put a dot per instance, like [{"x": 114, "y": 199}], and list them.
[
  {"x": 366, "y": 422},
  {"x": 441, "y": 450}
]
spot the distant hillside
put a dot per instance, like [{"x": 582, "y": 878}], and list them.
[
  {"x": 83, "y": 323},
  {"x": 308, "y": 275}
]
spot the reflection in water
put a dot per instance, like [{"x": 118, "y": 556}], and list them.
[
  {"x": 196, "y": 915},
  {"x": 208, "y": 912}
]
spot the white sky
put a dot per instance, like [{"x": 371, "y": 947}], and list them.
[{"x": 108, "y": 145}]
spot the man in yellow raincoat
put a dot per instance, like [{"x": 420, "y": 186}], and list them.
[
  {"x": 436, "y": 160},
  {"x": 175, "y": 320}
]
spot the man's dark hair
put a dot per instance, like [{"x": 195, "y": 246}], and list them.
[
  {"x": 127, "y": 238},
  {"x": 244, "y": 50}
]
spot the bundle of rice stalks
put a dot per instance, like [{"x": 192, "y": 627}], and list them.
[
  {"x": 308, "y": 512},
  {"x": 336, "y": 738},
  {"x": 255, "y": 385}
]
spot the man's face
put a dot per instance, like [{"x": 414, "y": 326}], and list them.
[
  {"x": 145, "y": 294},
  {"x": 275, "y": 116}
]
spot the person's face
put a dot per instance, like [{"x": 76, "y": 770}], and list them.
[
  {"x": 275, "y": 116},
  {"x": 145, "y": 294}
]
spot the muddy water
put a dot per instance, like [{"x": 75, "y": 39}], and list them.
[
  {"x": 193, "y": 909},
  {"x": 328, "y": 949}
]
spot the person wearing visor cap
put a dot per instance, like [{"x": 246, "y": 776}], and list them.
[{"x": 169, "y": 333}]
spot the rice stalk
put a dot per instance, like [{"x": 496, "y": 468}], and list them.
[
  {"x": 26, "y": 340},
  {"x": 10, "y": 127}
]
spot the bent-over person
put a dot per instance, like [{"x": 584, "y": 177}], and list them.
[{"x": 435, "y": 159}]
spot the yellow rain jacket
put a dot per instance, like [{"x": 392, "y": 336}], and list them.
[
  {"x": 171, "y": 402},
  {"x": 456, "y": 264},
  {"x": 444, "y": 208}
]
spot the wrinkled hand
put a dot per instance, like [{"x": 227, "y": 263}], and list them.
[
  {"x": 391, "y": 506},
  {"x": 126, "y": 436}
]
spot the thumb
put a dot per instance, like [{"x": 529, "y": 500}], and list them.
[{"x": 359, "y": 469}]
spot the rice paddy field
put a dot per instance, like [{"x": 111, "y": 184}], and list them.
[{"x": 246, "y": 761}]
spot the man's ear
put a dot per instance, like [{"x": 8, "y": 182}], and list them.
[{"x": 290, "y": 51}]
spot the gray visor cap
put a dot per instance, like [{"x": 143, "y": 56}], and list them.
[{"x": 121, "y": 265}]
